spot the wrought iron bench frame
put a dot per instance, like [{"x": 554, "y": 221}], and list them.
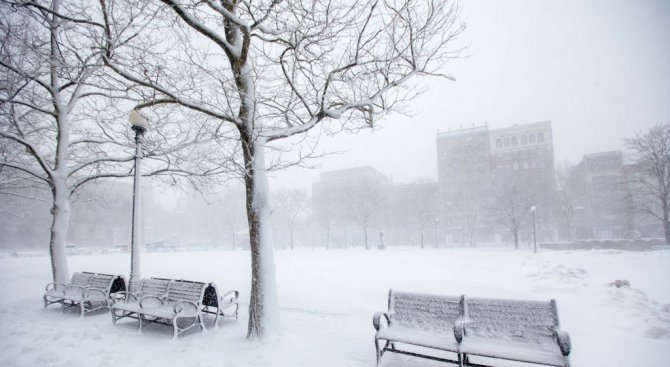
[
  {"x": 130, "y": 297},
  {"x": 461, "y": 326},
  {"x": 85, "y": 298},
  {"x": 382, "y": 320},
  {"x": 560, "y": 337},
  {"x": 208, "y": 302}
]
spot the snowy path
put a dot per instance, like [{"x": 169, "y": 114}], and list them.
[{"x": 327, "y": 299}]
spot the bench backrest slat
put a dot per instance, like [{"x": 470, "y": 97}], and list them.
[
  {"x": 186, "y": 291},
  {"x": 101, "y": 281},
  {"x": 424, "y": 311},
  {"x": 515, "y": 319},
  {"x": 154, "y": 287},
  {"x": 81, "y": 279}
]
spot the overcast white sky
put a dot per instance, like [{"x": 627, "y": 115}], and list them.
[{"x": 599, "y": 70}]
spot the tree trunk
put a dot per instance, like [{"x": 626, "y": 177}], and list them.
[
  {"x": 666, "y": 224},
  {"x": 60, "y": 212},
  {"x": 234, "y": 244},
  {"x": 516, "y": 239},
  {"x": 365, "y": 232},
  {"x": 263, "y": 310},
  {"x": 291, "y": 229},
  {"x": 345, "y": 236}
]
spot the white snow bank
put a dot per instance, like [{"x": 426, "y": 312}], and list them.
[{"x": 327, "y": 299}]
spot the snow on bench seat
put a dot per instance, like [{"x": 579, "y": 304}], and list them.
[{"x": 544, "y": 353}]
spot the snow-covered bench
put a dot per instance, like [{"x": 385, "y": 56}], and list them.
[
  {"x": 88, "y": 291},
  {"x": 171, "y": 302},
  {"x": 518, "y": 330},
  {"x": 127, "y": 304},
  {"x": 418, "y": 320}
]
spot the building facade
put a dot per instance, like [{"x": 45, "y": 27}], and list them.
[
  {"x": 602, "y": 202},
  {"x": 489, "y": 179}
]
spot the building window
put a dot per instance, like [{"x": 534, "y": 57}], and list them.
[
  {"x": 524, "y": 140},
  {"x": 531, "y": 139},
  {"x": 525, "y": 165},
  {"x": 498, "y": 143},
  {"x": 515, "y": 141},
  {"x": 506, "y": 142},
  {"x": 516, "y": 166},
  {"x": 540, "y": 137}
]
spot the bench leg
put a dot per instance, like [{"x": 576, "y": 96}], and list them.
[
  {"x": 202, "y": 323},
  {"x": 378, "y": 351},
  {"x": 175, "y": 328}
]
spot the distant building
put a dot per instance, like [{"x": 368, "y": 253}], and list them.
[
  {"x": 348, "y": 204},
  {"x": 410, "y": 215},
  {"x": 482, "y": 169},
  {"x": 602, "y": 204}
]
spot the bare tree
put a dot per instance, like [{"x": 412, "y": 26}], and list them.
[
  {"x": 232, "y": 210},
  {"x": 650, "y": 174},
  {"x": 469, "y": 205},
  {"x": 292, "y": 203},
  {"x": 365, "y": 197},
  {"x": 323, "y": 209},
  {"x": 510, "y": 207},
  {"x": 62, "y": 120},
  {"x": 274, "y": 69}
]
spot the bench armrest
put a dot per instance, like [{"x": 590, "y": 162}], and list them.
[
  {"x": 69, "y": 288},
  {"x": 377, "y": 320},
  {"x": 459, "y": 330},
  {"x": 234, "y": 295},
  {"x": 563, "y": 339},
  {"x": 148, "y": 300},
  {"x": 90, "y": 291},
  {"x": 123, "y": 296},
  {"x": 186, "y": 308},
  {"x": 54, "y": 286}
]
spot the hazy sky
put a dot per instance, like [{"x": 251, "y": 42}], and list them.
[{"x": 599, "y": 70}]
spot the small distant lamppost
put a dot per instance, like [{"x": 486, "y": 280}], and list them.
[
  {"x": 437, "y": 245},
  {"x": 139, "y": 125},
  {"x": 532, "y": 211}
]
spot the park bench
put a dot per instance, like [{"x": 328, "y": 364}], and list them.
[
  {"x": 418, "y": 320},
  {"x": 127, "y": 304},
  {"x": 88, "y": 291},
  {"x": 516, "y": 330},
  {"x": 172, "y": 302}
]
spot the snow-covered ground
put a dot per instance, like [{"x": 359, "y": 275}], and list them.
[{"x": 327, "y": 299}]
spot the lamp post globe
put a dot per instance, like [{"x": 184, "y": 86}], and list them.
[{"x": 139, "y": 124}]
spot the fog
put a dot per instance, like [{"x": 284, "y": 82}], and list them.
[{"x": 597, "y": 70}]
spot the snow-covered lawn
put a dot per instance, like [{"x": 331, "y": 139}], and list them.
[{"x": 327, "y": 299}]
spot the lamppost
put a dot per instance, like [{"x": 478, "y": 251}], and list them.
[
  {"x": 437, "y": 245},
  {"x": 139, "y": 125},
  {"x": 532, "y": 211}
]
